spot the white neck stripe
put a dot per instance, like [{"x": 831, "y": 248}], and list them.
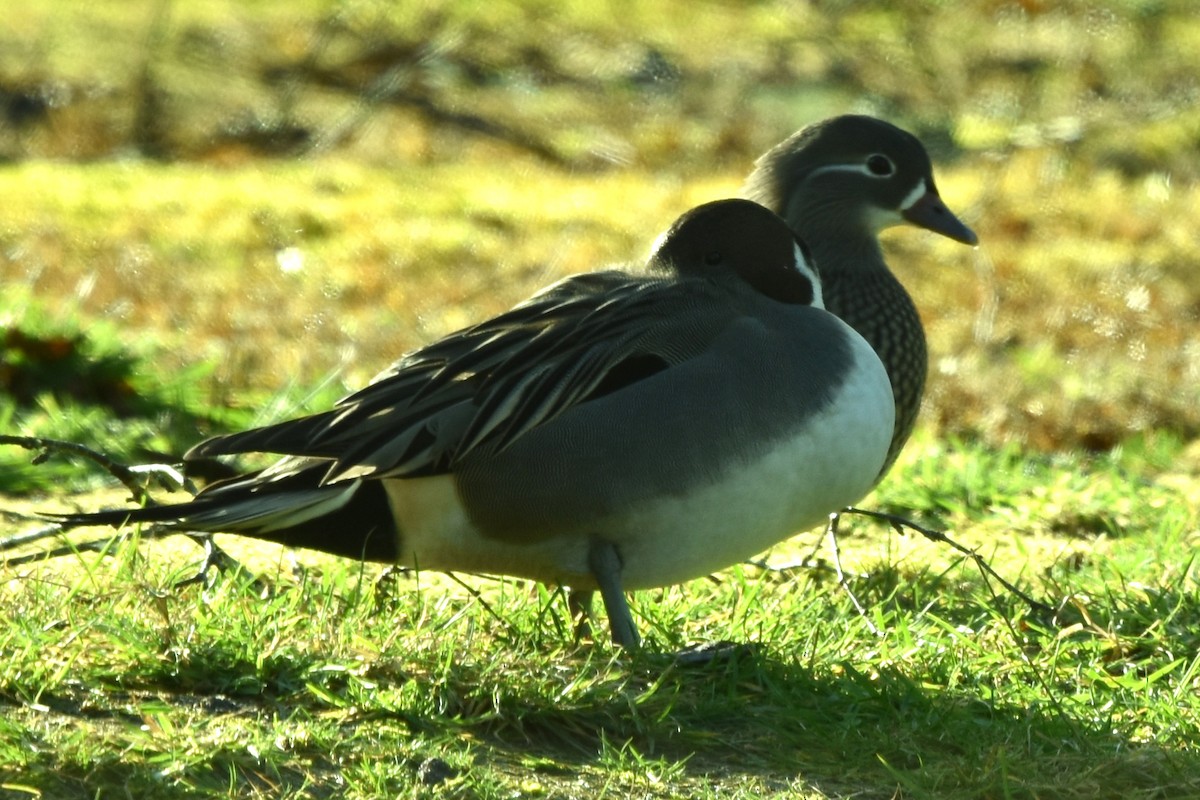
[{"x": 806, "y": 269}]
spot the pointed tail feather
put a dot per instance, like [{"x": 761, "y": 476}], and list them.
[{"x": 351, "y": 519}]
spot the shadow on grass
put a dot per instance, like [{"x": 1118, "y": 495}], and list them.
[
  {"x": 759, "y": 718},
  {"x": 218, "y": 771},
  {"x": 764, "y": 716}
]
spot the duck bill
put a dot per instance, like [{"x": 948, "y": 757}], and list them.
[{"x": 929, "y": 212}]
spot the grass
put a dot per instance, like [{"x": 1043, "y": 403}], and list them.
[
  {"x": 382, "y": 260},
  {"x": 331, "y": 675},
  {"x": 362, "y": 177}
]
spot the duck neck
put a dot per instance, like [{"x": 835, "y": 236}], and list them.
[{"x": 860, "y": 289}]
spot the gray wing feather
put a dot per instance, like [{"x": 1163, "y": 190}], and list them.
[{"x": 480, "y": 389}]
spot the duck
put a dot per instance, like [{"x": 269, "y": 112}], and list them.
[
  {"x": 838, "y": 183},
  {"x": 619, "y": 430}
]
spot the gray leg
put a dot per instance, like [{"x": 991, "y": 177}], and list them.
[
  {"x": 605, "y": 565},
  {"x": 214, "y": 558}
]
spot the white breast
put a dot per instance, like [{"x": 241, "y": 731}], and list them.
[
  {"x": 832, "y": 463},
  {"x": 829, "y": 463}
]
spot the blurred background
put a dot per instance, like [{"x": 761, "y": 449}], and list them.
[{"x": 218, "y": 213}]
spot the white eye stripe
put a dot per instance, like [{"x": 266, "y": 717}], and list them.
[
  {"x": 861, "y": 169},
  {"x": 918, "y": 191}
]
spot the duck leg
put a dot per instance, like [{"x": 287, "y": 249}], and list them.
[
  {"x": 579, "y": 605},
  {"x": 605, "y": 565},
  {"x": 214, "y": 558}
]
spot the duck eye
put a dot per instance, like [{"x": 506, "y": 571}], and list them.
[
  {"x": 880, "y": 165},
  {"x": 712, "y": 258}
]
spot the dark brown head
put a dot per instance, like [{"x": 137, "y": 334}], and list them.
[{"x": 742, "y": 240}]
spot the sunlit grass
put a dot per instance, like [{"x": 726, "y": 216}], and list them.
[
  {"x": 232, "y": 282},
  {"x": 326, "y": 673},
  {"x": 1067, "y": 328},
  {"x": 244, "y": 263}
]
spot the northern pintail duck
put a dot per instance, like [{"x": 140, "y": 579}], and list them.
[
  {"x": 838, "y": 183},
  {"x": 617, "y": 431}
]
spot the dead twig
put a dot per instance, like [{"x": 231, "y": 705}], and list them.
[
  {"x": 899, "y": 524},
  {"x": 831, "y": 531},
  {"x": 103, "y": 546},
  {"x": 128, "y": 476}
]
